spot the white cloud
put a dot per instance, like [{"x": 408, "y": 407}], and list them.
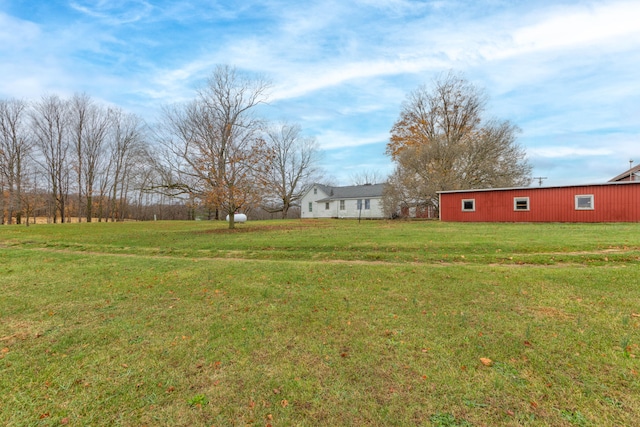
[
  {"x": 566, "y": 152},
  {"x": 113, "y": 11},
  {"x": 332, "y": 139},
  {"x": 16, "y": 34},
  {"x": 611, "y": 24}
]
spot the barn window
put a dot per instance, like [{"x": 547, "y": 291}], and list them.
[
  {"x": 584, "y": 202},
  {"x": 326, "y": 205},
  {"x": 367, "y": 203},
  {"x": 315, "y": 191},
  {"x": 468, "y": 205},
  {"x": 310, "y": 207},
  {"x": 341, "y": 205},
  {"x": 520, "y": 203}
]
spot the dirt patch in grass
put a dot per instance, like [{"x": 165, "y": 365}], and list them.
[
  {"x": 19, "y": 331},
  {"x": 256, "y": 229},
  {"x": 550, "y": 312}
]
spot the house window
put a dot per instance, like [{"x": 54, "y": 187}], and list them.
[
  {"x": 584, "y": 202},
  {"x": 326, "y": 205},
  {"x": 341, "y": 205},
  {"x": 315, "y": 191},
  {"x": 367, "y": 203},
  {"x": 520, "y": 203},
  {"x": 468, "y": 205},
  {"x": 310, "y": 207},
  {"x": 359, "y": 206}
]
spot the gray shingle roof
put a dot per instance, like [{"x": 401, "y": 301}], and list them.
[{"x": 351, "y": 191}]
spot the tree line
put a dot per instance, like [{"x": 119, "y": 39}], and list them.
[
  {"x": 70, "y": 157},
  {"x": 64, "y": 158},
  {"x": 214, "y": 156}
]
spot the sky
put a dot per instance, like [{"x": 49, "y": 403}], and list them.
[{"x": 566, "y": 72}]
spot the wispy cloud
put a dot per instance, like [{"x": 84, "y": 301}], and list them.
[
  {"x": 114, "y": 12},
  {"x": 563, "y": 152},
  {"x": 17, "y": 34}
]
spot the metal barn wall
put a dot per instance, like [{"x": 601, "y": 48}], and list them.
[{"x": 614, "y": 202}]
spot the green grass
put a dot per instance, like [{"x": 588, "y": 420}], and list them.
[{"x": 319, "y": 323}]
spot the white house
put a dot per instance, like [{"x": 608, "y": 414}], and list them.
[{"x": 355, "y": 201}]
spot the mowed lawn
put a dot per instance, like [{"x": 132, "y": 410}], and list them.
[{"x": 314, "y": 323}]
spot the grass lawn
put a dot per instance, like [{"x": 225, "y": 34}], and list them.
[{"x": 310, "y": 323}]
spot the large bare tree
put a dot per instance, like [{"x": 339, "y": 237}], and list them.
[
  {"x": 293, "y": 167},
  {"x": 215, "y": 143},
  {"x": 50, "y": 122},
  {"x": 442, "y": 141},
  {"x": 127, "y": 147},
  {"x": 94, "y": 153},
  {"x": 15, "y": 147}
]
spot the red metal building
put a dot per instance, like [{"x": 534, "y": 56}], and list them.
[{"x": 608, "y": 202}]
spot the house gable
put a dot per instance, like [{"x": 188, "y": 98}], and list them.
[
  {"x": 356, "y": 201},
  {"x": 629, "y": 175}
]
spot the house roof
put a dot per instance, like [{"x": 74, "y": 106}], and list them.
[
  {"x": 626, "y": 174},
  {"x": 351, "y": 191}
]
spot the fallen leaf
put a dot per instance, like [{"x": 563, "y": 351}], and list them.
[
  {"x": 284, "y": 403},
  {"x": 486, "y": 361}
]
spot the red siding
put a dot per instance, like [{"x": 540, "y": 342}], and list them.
[{"x": 615, "y": 202}]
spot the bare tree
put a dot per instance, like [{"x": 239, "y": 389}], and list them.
[
  {"x": 49, "y": 123},
  {"x": 127, "y": 145},
  {"x": 94, "y": 153},
  {"x": 15, "y": 148},
  {"x": 442, "y": 142},
  {"x": 399, "y": 193},
  {"x": 367, "y": 176},
  {"x": 89, "y": 125},
  {"x": 293, "y": 168},
  {"x": 216, "y": 145}
]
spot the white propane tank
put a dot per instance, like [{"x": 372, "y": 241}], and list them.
[{"x": 238, "y": 218}]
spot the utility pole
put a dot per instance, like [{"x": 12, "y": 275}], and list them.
[{"x": 540, "y": 178}]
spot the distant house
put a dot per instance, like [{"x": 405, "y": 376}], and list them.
[
  {"x": 630, "y": 175},
  {"x": 355, "y": 201},
  {"x": 608, "y": 202}
]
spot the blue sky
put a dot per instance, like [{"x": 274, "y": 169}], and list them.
[{"x": 566, "y": 72}]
